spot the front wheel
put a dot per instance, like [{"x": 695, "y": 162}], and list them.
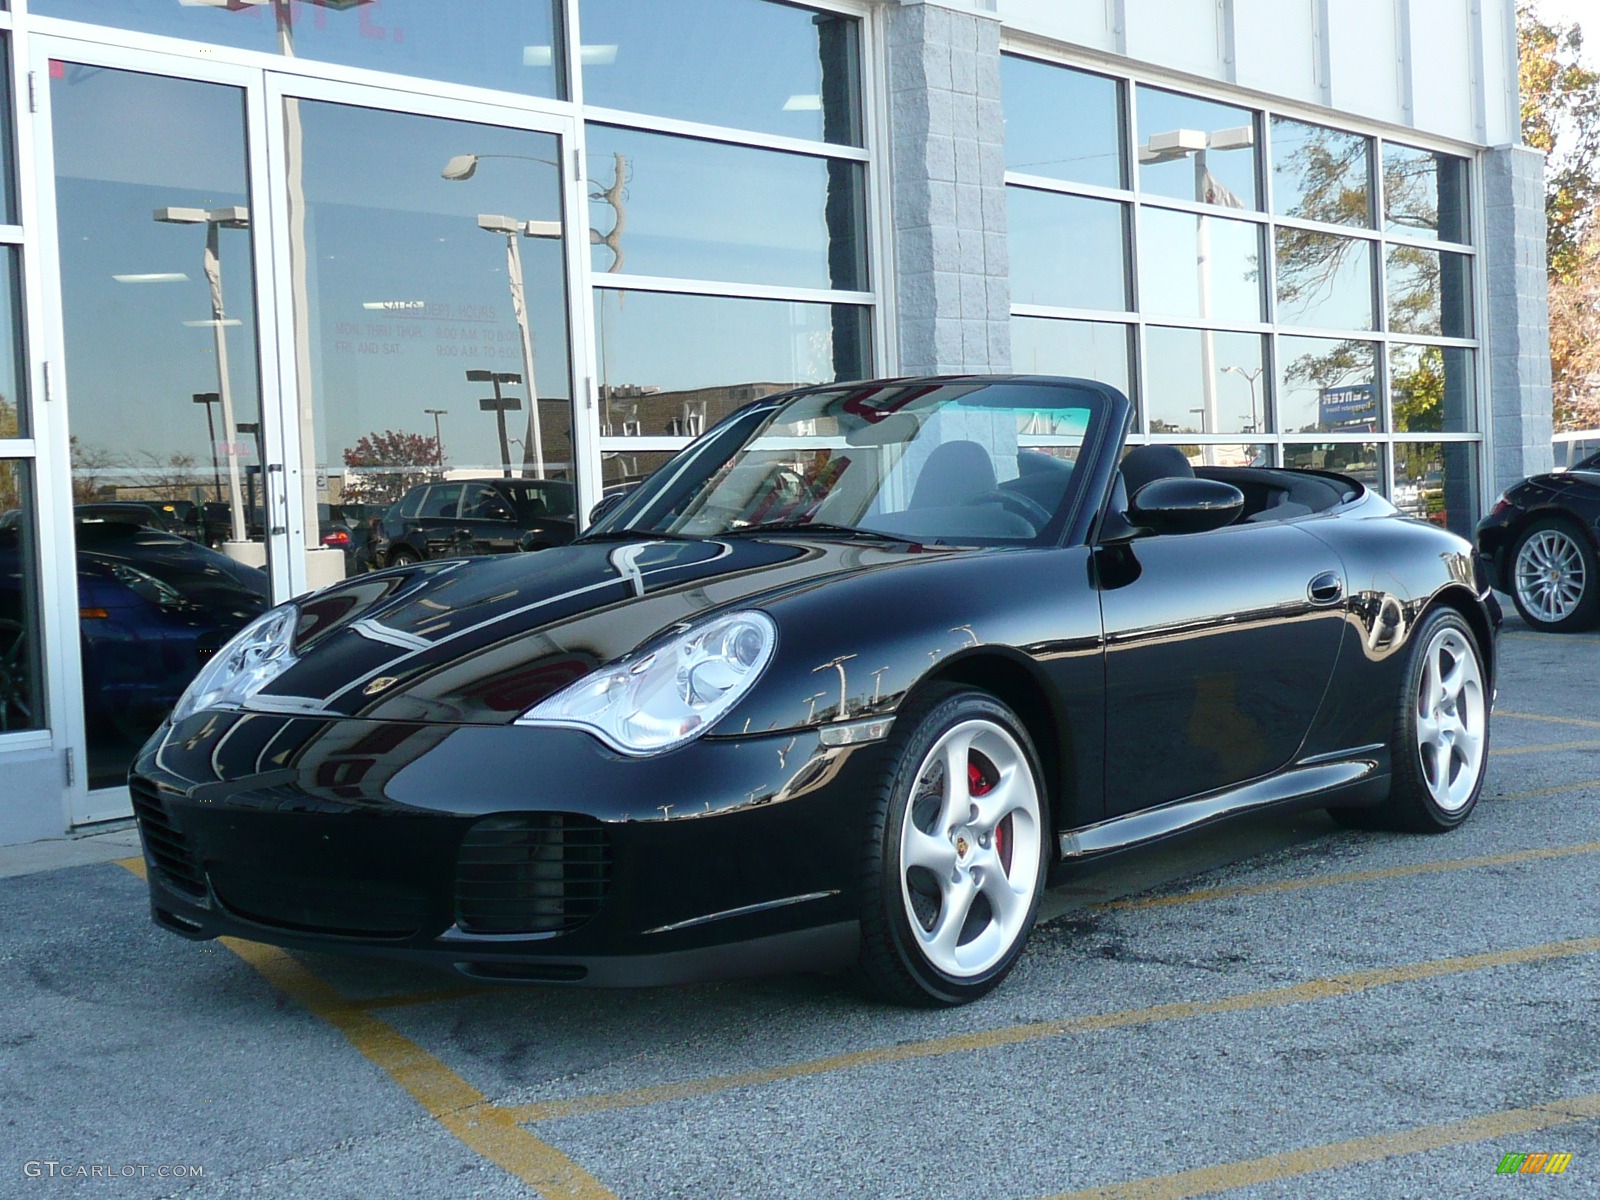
[
  {"x": 1555, "y": 579},
  {"x": 1440, "y": 741},
  {"x": 955, "y": 860}
]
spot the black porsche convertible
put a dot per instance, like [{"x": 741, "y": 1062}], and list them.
[{"x": 841, "y": 685}]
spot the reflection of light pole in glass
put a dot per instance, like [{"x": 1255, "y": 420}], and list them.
[
  {"x": 513, "y": 230},
  {"x": 1169, "y": 147},
  {"x": 232, "y": 217},
  {"x": 208, "y": 399},
  {"x": 462, "y": 167},
  {"x": 253, "y": 429},
  {"x": 1250, "y": 377},
  {"x": 499, "y": 405},
  {"x": 438, "y": 437}
]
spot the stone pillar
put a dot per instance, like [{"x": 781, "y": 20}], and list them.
[
  {"x": 947, "y": 187},
  {"x": 1517, "y": 325}
]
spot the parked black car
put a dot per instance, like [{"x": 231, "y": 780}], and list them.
[
  {"x": 841, "y": 684},
  {"x": 146, "y": 514},
  {"x": 462, "y": 517},
  {"x": 1541, "y": 543}
]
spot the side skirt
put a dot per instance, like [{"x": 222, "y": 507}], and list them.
[{"x": 1356, "y": 778}]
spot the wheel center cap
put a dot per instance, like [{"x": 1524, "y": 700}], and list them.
[{"x": 963, "y": 845}]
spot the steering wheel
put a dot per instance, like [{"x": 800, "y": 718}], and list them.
[{"x": 1026, "y": 507}]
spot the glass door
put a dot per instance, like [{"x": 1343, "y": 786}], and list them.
[
  {"x": 177, "y": 498},
  {"x": 427, "y": 283}
]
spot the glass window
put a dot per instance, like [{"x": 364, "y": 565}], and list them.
[
  {"x": 1432, "y": 388},
  {"x": 1425, "y": 194},
  {"x": 1061, "y": 123},
  {"x": 502, "y": 44},
  {"x": 1198, "y": 150},
  {"x": 13, "y": 380},
  {"x": 1201, "y": 381},
  {"x": 8, "y": 184},
  {"x": 749, "y": 64},
  {"x": 622, "y": 469},
  {"x": 1429, "y": 292},
  {"x": 442, "y": 500},
  {"x": 1199, "y": 266},
  {"x": 1226, "y": 454},
  {"x": 706, "y": 210},
  {"x": 1324, "y": 280},
  {"x": 673, "y": 365},
  {"x": 1098, "y": 350},
  {"x": 1327, "y": 386},
  {"x": 21, "y": 693},
  {"x": 431, "y": 249},
  {"x": 1438, "y": 482},
  {"x": 1066, "y": 250},
  {"x": 1360, "y": 460},
  {"x": 485, "y": 504},
  {"x": 1321, "y": 174}
]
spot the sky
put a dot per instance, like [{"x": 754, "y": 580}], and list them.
[{"x": 1583, "y": 13}]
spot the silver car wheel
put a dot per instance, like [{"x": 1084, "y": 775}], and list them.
[
  {"x": 1451, "y": 715},
  {"x": 970, "y": 848},
  {"x": 1549, "y": 575}
]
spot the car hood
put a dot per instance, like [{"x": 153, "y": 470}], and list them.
[{"x": 481, "y": 640}]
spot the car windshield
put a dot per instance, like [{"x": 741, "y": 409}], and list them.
[{"x": 963, "y": 461}]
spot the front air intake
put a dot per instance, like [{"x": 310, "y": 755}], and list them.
[
  {"x": 531, "y": 873},
  {"x": 164, "y": 844}
]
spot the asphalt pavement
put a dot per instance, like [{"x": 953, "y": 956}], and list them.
[{"x": 1280, "y": 1008}]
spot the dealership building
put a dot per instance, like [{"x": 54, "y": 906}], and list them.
[{"x": 270, "y": 265}]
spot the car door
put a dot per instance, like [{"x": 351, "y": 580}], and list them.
[
  {"x": 438, "y": 519},
  {"x": 1219, "y": 649},
  {"x": 488, "y": 521}
]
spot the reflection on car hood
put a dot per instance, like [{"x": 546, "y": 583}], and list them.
[{"x": 481, "y": 640}]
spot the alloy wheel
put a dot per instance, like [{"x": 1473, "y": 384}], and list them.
[
  {"x": 970, "y": 848},
  {"x": 1550, "y": 575},
  {"x": 1451, "y": 716}
]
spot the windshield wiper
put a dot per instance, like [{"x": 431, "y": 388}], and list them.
[
  {"x": 821, "y": 527},
  {"x": 637, "y": 535}
]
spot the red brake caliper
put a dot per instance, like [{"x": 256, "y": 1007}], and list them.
[{"x": 977, "y": 785}]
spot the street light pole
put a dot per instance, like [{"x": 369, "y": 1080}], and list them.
[
  {"x": 232, "y": 217},
  {"x": 208, "y": 399},
  {"x": 1250, "y": 377},
  {"x": 438, "y": 437},
  {"x": 499, "y": 405},
  {"x": 533, "y": 443}
]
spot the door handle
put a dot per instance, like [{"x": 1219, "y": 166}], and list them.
[{"x": 1326, "y": 588}]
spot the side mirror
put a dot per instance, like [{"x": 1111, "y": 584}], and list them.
[
  {"x": 607, "y": 503},
  {"x": 1184, "y": 505}
]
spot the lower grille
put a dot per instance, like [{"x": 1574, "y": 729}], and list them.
[
  {"x": 352, "y": 908},
  {"x": 531, "y": 873},
  {"x": 166, "y": 846}
]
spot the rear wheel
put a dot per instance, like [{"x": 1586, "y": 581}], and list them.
[
  {"x": 955, "y": 859},
  {"x": 1555, "y": 579},
  {"x": 403, "y": 556},
  {"x": 1440, "y": 742}
]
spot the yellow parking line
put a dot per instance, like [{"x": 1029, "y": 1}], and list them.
[
  {"x": 1583, "y": 785},
  {"x": 452, "y": 1101},
  {"x": 1205, "y": 1181},
  {"x": 433, "y": 996},
  {"x": 1504, "y": 750},
  {"x": 1522, "y": 716},
  {"x": 1313, "y": 881},
  {"x": 1011, "y": 1035}
]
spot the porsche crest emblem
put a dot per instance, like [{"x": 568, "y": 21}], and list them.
[{"x": 381, "y": 683}]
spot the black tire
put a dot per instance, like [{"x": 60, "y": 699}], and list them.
[
  {"x": 1414, "y": 804},
  {"x": 403, "y": 556},
  {"x": 894, "y": 963},
  {"x": 1579, "y": 552}
]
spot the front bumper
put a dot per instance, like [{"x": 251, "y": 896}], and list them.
[{"x": 725, "y": 857}]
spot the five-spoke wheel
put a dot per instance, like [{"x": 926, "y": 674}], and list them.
[
  {"x": 956, "y": 855},
  {"x": 1553, "y": 577}
]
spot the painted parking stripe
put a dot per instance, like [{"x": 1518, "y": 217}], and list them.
[
  {"x": 1502, "y": 751},
  {"x": 1583, "y": 785},
  {"x": 1327, "y": 988},
  {"x": 1522, "y": 716},
  {"x": 449, "y": 1099},
  {"x": 1315, "y": 881},
  {"x": 1205, "y": 1181}
]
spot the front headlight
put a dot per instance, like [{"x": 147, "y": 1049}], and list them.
[
  {"x": 257, "y": 655},
  {"x": 669, "y": 694}
]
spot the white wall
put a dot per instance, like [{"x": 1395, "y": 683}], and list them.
[{"x": 1442, "y": 67}]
